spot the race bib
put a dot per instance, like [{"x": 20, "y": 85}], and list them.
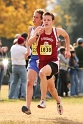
[
  {"x": 46, "y": 49},
  {"x": 34, "y": 49}
]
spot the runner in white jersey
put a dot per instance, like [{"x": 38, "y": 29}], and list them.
[{"x": 32, "y": 66}]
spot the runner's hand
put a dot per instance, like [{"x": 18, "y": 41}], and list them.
[{"x": 67, "y": 54}]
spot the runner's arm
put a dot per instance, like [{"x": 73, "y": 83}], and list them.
[
  {"x": 63, "y": 33},
  {"x": 28, "y": 47},
  {"x": 35, "y": 36}
]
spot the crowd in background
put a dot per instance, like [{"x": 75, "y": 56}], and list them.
[
  {"x": 69, "y": 80},
  {"x": 3, "y": 55}
]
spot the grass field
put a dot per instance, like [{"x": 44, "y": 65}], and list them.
[{"x": 10, "y": 111}]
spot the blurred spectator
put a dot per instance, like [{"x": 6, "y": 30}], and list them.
[
  {"x": 73, "y": 74},
  {"x": 25, "y": 35},
  {"x": 18, "y": 53},
  {"x": 16, "y": 36},
  {"x": 62, "y": 84},
  {"x": 79, "y": 53},
  {"x": 61, "y": 42},
  {"x": 3, "y": 54},
  {"x": 11, "y": 76}
]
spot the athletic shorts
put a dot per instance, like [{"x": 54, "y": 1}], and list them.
[
  {"x": 54, "y": 68},
  {"x": 33, "y": 65}
]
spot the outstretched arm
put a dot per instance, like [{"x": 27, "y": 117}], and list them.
[{"x": 63, "y": 33}]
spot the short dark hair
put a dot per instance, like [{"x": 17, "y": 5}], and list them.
[
  {"x": 50, "y": 14},
  {"x": 24, "y": 35},
  {"x": 40, "y": 11}
]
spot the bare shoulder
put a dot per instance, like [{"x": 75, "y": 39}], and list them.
[
  {"x": 38, "y": 27},
  {"x": 61, "y": 31},
  {"x": 29, "y": 30},
  {"x": 30, "y": 27}
]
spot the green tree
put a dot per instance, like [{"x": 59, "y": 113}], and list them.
[{"x": 71, "y": 16}]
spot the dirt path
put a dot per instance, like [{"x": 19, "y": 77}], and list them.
[{"x": 10, "y": 113}]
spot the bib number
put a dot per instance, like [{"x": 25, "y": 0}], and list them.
[
  {"x": 34, "y": 49},
  {"x": 45, "y": 50}
]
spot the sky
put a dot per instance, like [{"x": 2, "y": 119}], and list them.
[{"x": 50, "y": 6}]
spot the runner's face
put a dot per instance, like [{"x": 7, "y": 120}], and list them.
[
  {"x": 47, "y": 21},
  {"x": 37, "y": 21}
]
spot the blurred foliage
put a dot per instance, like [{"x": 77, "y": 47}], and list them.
[
  {"x": 16, "y": 15},
  {"x": 70, "y": 17}
]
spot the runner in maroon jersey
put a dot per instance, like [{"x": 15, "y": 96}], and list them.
[{"x": 48, "y": 57}]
